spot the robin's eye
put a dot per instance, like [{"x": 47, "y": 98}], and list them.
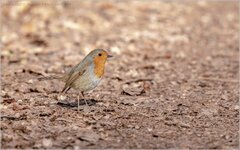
[{"x": 99, "y": 54}]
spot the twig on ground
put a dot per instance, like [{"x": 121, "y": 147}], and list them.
[
  {"x": 138, "y": 80},
  {"x": 219, "y": 79}
]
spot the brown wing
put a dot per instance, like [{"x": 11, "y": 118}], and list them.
[{"x": 71, "y": 79}]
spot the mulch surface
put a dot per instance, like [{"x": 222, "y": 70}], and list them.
[{"x": 173, "y": 81}]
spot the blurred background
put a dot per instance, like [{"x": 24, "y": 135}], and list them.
[{"x": 173, "y": 79}]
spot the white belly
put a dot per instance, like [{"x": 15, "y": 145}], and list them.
[{"x": 87, "y": 81}]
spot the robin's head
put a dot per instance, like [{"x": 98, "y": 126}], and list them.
[{"x": 99, "y": 57}]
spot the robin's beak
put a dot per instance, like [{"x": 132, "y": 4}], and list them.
[{"x": 109, "y": 56}]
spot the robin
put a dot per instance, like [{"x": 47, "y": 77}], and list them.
[{"x": 87, "y": 74}]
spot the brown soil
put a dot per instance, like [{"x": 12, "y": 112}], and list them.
[{"x": 173, "y": 82}]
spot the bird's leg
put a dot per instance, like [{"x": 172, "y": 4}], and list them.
[
  {"x": 84, "y": 99},
  {"x": 78, "y": 102},
  {"x": 82, "y": 96}
]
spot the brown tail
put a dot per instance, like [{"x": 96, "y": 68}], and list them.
[{"x": 52, "y": 77}]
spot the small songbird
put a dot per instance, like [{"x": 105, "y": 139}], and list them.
[{"x": 87, "y": 74}]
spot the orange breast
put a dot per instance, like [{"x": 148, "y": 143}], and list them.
[{"x": 99, "y": 65}]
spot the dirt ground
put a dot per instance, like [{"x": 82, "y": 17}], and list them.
[{"x": 173, "y": 81}]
